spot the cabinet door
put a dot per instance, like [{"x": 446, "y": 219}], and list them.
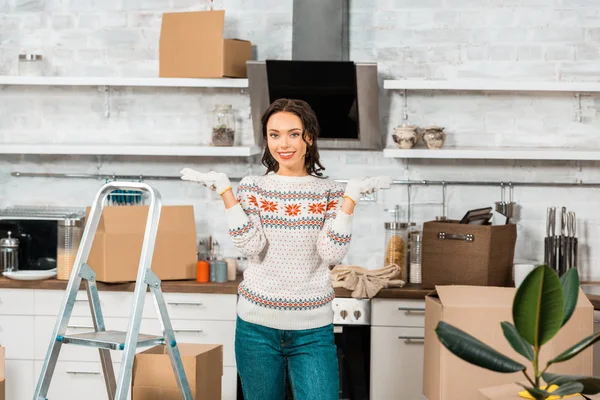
[
  {"x": 16, "y": 334},
  {"x": 20, "y": 383},
  {"x": 397, "y": 363},
  {"x": 596, "y": 348}
]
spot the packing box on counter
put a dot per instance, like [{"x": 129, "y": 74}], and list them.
[
  {"x": 479, "y": 311},
  {"x": 117, "y": 246},
  {"x": 192, "y": 46},
  {"x": 464, "y": 254},
  {"x": 153, "y": 377}
]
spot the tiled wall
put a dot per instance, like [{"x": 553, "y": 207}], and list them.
[{"x": 439, "y": 39}]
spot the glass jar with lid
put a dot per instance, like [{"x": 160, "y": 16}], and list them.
[
  {"x": 223, "y": 125},
  {"x": 69, "y": 238},
  {"x": 396, "y": 237}
]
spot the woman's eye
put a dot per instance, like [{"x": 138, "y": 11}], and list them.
[
  {"x": 273, "y": 136},
  {"x": 295, "y": 134}
]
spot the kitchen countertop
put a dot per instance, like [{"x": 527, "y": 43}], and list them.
[{"x": 410, "y": 291}]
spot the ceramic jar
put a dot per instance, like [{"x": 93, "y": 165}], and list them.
[
  {"x": 434, "y": 137},
  {"x": 406, "y": 137}
]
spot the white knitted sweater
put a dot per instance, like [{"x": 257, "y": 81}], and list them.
[{"x": 292, "y": 230}]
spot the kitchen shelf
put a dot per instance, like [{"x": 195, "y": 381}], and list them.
[
  {"x": 502, "y": 153},
  {"x": 116, "y": 81},
  {"x": 491, "y": 85},
  {"x": 131, "y": 150}
]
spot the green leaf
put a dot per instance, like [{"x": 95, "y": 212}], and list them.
[
  {"x": 538, "y": 307},
  {"x": 570, "y": 287},
  {"x": 576, "y": 349},
  {"x": 591, "y": 384},
  {"x": 568, "y": 388},
  {"x": 516, "y": 341},
  {"x": 473, "y": 351}
]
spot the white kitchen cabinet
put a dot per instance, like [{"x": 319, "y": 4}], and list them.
[
  {"x": 397, "y": 349},
  {"x": 27, "y": 317},
  {"x": 20, "y": 381}
]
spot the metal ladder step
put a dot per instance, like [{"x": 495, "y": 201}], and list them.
[{"x": 113, "y": 340}]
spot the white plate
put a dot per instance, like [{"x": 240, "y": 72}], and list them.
[{"x": 34, "y": 275}]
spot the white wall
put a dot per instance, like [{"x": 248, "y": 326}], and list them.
[{"x": 438, "y": 39}]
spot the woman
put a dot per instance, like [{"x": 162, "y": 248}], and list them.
[{"x": 292, "y": 224}]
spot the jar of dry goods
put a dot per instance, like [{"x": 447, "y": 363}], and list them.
[
  {"x": 396, "y": 237},
  {"x": 69, "y": 238},
  {"x": 223, "y": 127}
]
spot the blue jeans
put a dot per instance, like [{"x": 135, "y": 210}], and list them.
[{"x": 264, "y": 354}]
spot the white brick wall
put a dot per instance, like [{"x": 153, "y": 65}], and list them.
[{"x": 438, "y": 39}]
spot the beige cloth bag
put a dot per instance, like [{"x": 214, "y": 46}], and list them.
[{"x": 365, "y": 283}]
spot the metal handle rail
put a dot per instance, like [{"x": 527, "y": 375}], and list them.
[{"x": 101, "y": 338}]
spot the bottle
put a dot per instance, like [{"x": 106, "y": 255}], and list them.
[
  {"x": 69, "y": 237},
  {"x": 416, "y": 244},
  {"x": 202, "y": 271}
]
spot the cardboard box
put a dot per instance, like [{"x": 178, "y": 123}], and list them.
[
  {"x": 509, "y": 392},
  {"x": 117, "y": 246},
  {"x": 462, "y": 254},
  {"x": 153, "y": 377},
  {"x": 2, "y": 376},
  {"x": 192, "y": 46},
  {"x": 479, "y": 312}
]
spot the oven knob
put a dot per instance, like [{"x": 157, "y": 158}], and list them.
[
  {"x": 357, "y": 314},
  {"x": 344, "y": 314}
]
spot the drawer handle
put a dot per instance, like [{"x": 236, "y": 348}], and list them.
[
  {"x": 80, "y": 327},
  {"x": 412, "y": 339},
  {"x": 185, "y": 303},
  {"x": 597, "y": 321},
  {"x": 189, "y": 330},
  {"x": 83, "y": 372},
  {"x": 408, "y": 310},
  {"x": 469, "y": 237}
]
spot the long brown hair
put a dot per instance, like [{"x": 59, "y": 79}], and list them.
[{"x": 310, "y": 132}]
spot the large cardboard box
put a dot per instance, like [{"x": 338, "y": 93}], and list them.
[
  {"x": 2, "y": 379},
  {"x": 192, "y": 46},
  {"x": 510, "y": 392},
  {"x": 117, "y": 246},
  {"x": 153, "y": 377},
  {"x": 479, "y": 312},
  {"x": 463, "y": 254}
]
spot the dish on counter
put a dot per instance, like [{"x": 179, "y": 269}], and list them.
[{"x": 30, "y": 275}]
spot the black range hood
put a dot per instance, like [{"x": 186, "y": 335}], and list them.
[{"x": 343, "y": 94}]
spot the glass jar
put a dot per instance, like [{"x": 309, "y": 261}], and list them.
[
  {"x": 69, "y": 238},
  {"x": 31, "y": 65},
  {"x": 396, "y": 236},
  {"x": 223, "y": 127},
  {"x": 416, "y": 245},
  {"x": 9, "y": 254}
]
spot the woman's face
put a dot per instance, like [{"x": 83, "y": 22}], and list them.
[{"x": 284, "y": 139}]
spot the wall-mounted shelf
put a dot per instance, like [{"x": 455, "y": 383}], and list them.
[
  {"x": 131, "y": 150},
  {"x": 486, "y": 153},
  {"x": 124, "y": 82},
  {"x": 491, "y": 85}
]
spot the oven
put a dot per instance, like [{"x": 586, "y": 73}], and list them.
[{"x": 352, "y": 328}]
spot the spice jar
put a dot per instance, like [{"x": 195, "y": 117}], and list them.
[
  {"x": 223, "y": 128},
  {"x": 31, "y": 65},
  {"x": 9, "y": 254},
  {"x": 69, "y": 237},
  {"x": 396, "y": 235}
]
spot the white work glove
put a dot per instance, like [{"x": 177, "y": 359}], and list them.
[
  {"x": 216, "y": 181},
  {"x": 357, "y": 187}
]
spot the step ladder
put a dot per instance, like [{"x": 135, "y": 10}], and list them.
[{"x": 106, "y": 340}]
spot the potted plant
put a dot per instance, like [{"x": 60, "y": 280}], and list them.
[{"x": 542, "y": 305}]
